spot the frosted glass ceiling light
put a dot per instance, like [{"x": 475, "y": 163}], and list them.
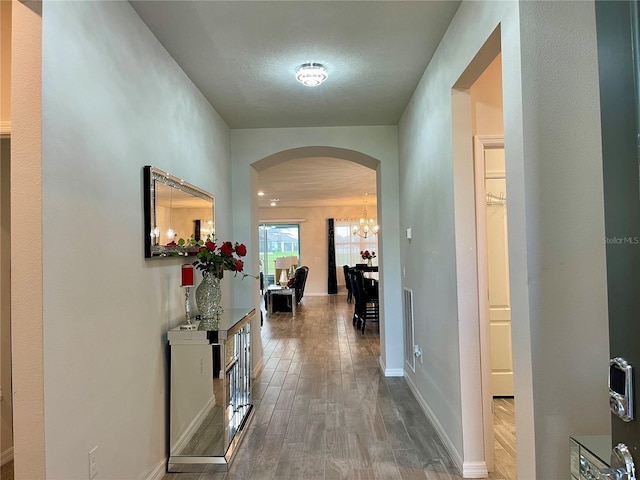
[{"x": 311, "y": 74}]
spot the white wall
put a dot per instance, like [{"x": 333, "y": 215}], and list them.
[
  {"x": 554, "y": 186},
  {"x": 313, "y": 240},
  {"x": 6, "y": 410},
  {"x": 486, "y": 101},
  {"x": 5, "y": 63},
  {"x": 565, "y": 226},
  {"x": 26, "y": 241},
  {"x": 119, "y": 103}
]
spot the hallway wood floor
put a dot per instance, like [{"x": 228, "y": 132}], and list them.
[{"x": 325, "y": 411}]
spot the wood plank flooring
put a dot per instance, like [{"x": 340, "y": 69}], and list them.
[
  {"x": 504, "y": 430},
  {"x": 6, "y": 471},
  {"x": 324, "y": 410}
]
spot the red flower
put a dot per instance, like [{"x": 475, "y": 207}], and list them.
[
  {"x": 366, "y": 255},
  {"x": 241, "y": 250},
  {"x": 227, "y": 248},
  {"x": 214, "y": 258}
]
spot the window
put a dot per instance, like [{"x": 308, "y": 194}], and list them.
[
  {"x": 276, "y": 240},
  {"x": 348, "y": 246}
]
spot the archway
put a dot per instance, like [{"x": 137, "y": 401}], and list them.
[{"x": 253, "y": 153}]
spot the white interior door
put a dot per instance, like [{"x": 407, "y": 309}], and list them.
[{"x": 498, "y": 273}]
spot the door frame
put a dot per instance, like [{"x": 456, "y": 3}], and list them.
[{"x": 480, "y": 143}]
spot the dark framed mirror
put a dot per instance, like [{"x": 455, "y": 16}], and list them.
[{"x": 174, "y": 209}]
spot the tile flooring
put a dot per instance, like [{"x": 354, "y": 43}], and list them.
[
  {"x": 324, "y": 411},
  {"x": 6, "y": 471}
]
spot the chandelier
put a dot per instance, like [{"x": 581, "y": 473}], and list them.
[{"x": 366, "y": 226}]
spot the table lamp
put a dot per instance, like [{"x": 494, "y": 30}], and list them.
[{"x": 283, "y": 264}]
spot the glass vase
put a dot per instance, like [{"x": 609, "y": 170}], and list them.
[
  {"x": 208, "y": 296},
  {"x": 369, "y": 262}
]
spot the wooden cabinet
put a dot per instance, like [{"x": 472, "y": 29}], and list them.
[{"x": 210, "y": 393}]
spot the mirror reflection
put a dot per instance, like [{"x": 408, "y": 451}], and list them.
[
  {"x": 210, "y": 393},
  {"x": 174, "y": 209},
  {"x": 206, "y": 415}
]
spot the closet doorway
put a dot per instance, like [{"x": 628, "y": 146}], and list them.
[{"x": 494, "y": 310}]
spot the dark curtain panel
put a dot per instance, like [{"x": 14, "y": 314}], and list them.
[{"x": 332, "y": 280}]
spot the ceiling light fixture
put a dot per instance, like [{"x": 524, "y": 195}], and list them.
[
  {"x": 311, "y": 74},
  {"x": 366, "y": 226}
]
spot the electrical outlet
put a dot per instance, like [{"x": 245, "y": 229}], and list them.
[{"x": 93, "y": 463}]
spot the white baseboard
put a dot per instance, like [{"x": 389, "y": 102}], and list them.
[
  {"x": 159, "y": 472},
  {"x": 6, "y": 456},
  {"x": 390, "y": 372},
  {"x": 474, "y": 470},
  {"x": 383, "y": 367},
  {"x": 448, "y": 444}
]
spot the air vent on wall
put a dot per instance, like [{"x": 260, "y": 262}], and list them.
[{"x": 409, "y": 357}]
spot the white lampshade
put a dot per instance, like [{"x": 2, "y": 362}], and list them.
[{"x": 283, "y": 262}]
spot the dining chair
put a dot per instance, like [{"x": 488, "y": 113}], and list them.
[
  {"x": 347, "y": 283},
  {"x": 366, "y": 303},
  {"x": 300, "y": 280}
]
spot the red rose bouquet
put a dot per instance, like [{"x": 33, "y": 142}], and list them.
[
  {"x": 215, "y": 258},
  {"x": 367, "y": 255}
]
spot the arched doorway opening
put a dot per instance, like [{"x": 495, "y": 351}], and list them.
[
  {"x": 385, "y": 167},
  {"x": 374, "y": 147}
]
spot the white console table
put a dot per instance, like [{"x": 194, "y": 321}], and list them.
[{"x": 210, "y": 393}]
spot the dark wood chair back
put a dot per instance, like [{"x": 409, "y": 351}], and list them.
[
  {"x": 300, "y": 280},
  {"x": 366, "y": 304},
  {"x": 347, "y": 282}
]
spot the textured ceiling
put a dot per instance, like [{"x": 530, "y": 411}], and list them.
[
  {"x": 242, "y": 56},
  {"x": 309, "y": 182}
]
